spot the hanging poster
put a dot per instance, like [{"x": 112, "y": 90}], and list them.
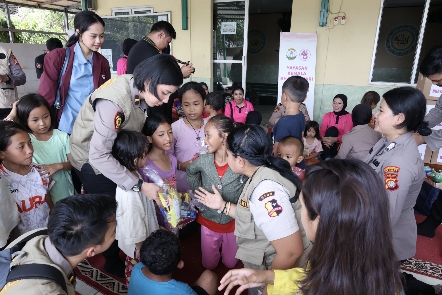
[
  {"x": 297, "y": 57},
  {"x": 228, "y": 28}
]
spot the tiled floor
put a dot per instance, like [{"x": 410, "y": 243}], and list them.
[{"x": 84, "y": 289}]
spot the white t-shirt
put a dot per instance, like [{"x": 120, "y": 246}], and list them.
[
  {"x": 272, "y": 211},
  {"x": 30, "y": 192}
]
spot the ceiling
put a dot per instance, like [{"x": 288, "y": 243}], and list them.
[
  {"x": 270, "y": 6},
  {"x": 73, "y": 6}
]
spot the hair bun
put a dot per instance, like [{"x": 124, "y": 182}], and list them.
[{"x": 423, "y": 129}]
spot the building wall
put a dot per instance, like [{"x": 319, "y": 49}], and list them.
[
  {"x": 193, "y": 44},
  {"x": 344, "y": 52}
]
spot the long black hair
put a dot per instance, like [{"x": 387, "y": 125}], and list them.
[
  {"x": 252, "y": 143},
  {"x": 128, "y": 147},
  {"x": 26, "y": 104},
  {"x": 82, "y": 21},
  {"x": 353, "y": 245}
]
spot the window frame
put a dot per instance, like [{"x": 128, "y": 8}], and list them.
[
  {"x": 414, "y": 70},
  {"x": 132, "y": 10}
]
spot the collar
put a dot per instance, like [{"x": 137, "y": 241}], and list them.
[
  {"x": 137, "y": 102},
  {"x": 148, "y": 40},
  {"x": 79, "y": 54},
  {"x": 59, "y": 260}
]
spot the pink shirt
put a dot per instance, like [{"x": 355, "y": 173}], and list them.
[
  {"x": 185, "y": 146},
  {"x": 122, "y": 66},
  {"x": 239, "y": 114},
  {"x": 344, "y": 125},
  {"x": 316, "y": 146}
]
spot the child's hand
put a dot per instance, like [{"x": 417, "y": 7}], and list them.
[
  {"x": 50, "y": 169},
  {"x": 213, "y": 201}
]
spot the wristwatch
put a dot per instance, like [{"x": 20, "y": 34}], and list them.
[{"x": 137, "y": 187}]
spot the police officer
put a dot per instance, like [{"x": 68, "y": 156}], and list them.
[
  {"x": 11, "y": 75},
  {"x": 268, "y": 227},
  {"x": 397, "y": 161},
  {"x": 280, "y": 111},
  {"x": 119, "y": 104},
  {"x": 51, "y": 44}
]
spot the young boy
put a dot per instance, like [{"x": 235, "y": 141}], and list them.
[
  {"x": 213, "y": 104},
  {"x": 291, "y": 149},
  {"x": 294, "y": 92},
  {"x": 160, "y": 255}
]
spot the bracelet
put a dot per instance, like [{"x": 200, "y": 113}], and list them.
[
  {"x": 179, "y": 166},
  {"x": 225, "y": 205},
  {"x": 228, "y": 208}
]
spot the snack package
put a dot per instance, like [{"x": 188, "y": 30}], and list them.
[{"x": 177, "y": 212}]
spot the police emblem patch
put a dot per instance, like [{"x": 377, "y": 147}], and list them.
[
  {"x": 118, "y": 120},
  {"x": 273, "y": 208},
  {"x": 244, "y": 204},
  {"x": 266, "y": 195},
  {"x": 391, "y": 178}
]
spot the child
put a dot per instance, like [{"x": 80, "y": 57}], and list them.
[
  {"x": 51, "y": 146},
  {"x": 213, "y": 104},
  {"x": 135, "y": 213},
  {"x": 361, "y": 138},
  {"x": 294, "y": 92},
  {"x": 188, "y": 132},
  {"x": 212, "y": 169},
  {"x": 291, "y": 149},
  {"x": 29, "y": 188},
  {"x": 160, "y": 256},
  {"x": 312, "y": 142},
  {"x": 239, "y": 107},
  {"x": 345, "y": 209}
]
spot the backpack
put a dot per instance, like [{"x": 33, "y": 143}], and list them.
[{"x": 11, "y": 270}]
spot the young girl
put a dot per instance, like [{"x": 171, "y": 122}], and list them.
[
  {"x": 238, "y": 108},
  {"x": 51, "y": 146},
  {"x": 345, "y": 212},
  {"x": 212, "y": 168},
  {"x": 312, "y": 142},
  {"x": 268, "y": 227},
  {"x": 136, "y": 218},
  {"x": 188, "y": 132},
  {"x": 86, "y": 69},
  {"x": 29, "y": 188}
]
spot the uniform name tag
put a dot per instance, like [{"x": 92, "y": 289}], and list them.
[{"x": 266, "y": 195}]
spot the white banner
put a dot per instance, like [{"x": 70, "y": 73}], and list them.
[{"x": 297, "y": 57}]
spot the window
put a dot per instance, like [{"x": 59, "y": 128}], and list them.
[{"x": 406, "y": 31}]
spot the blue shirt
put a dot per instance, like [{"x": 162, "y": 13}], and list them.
[
  {"x": 140, "y": 285},
  {"x": 81, "y": 85},
  {"x": 290, "y": 125}
]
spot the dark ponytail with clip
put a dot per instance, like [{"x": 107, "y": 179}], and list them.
[
  {"x": 251, "y": 143},
  {"x": 82, "y": 21}
]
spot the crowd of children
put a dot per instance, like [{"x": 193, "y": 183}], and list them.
[{"x": 263, "y": 200}]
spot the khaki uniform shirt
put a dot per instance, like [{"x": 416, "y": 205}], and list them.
[
  {"x": 356, "y": 143},
  {"x": 40, "y": 250},
  {"x": 254, "y": 248},
  {"x": 112, "y": 107},
  {"x": 434, "y": 117},
  {"x": 401, "y": 169},
  {"x": 9, "y": 66}
]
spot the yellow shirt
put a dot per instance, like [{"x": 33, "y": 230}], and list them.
[{"x": 286, "y": 281}]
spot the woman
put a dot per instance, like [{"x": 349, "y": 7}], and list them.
[
  {"x": 120, "y": 104},
  {"x": 345, "y": 214},
  {"x": 334, "y": 125},
  {"x": 238, "y": 108},
  {"x": 122, "y": 62},
  {"x": 268, "y": 228},
  {"x": 85, "y": 69},
  {"x": 371, "y": 98},
  {"x": 396, "y": 160}
]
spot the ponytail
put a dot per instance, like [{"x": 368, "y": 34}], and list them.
[
  {"x": 423, "y": 129},
  {"x": 82, "y": 21},
  {"x": 72, "y": 40}
]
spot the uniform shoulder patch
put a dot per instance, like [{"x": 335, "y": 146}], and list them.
[
  {"x": 118, "y": 120},
  {"x": 244, "y": 204},
  {"x": 266, "y": 195},
  {"x": 14, "y": 59},
  {"x": 391, "y": 174},
  {"x": 273, "y": 208}
]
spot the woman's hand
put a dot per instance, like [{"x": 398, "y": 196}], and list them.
[
  {"x": 50, "y": 169},
  {"x": 246, "y": 278},
  {"x": 213, "y": 201},
  {"x": 13, "y": 113},
  {"x": 151, "y": 190}
]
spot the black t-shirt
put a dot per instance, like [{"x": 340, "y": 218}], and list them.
[
  {"x": 139, "y": 52},
  {"x": 39, "y": 61}
]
